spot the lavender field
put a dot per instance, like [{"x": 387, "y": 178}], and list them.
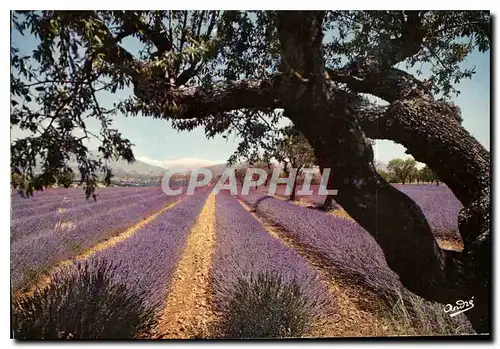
[
  {"x": 200, "y": 257},
  {"x": 245, "y": 249},
  {"x": 391, "y": 108},
  {"x": 438, "y": 203}
]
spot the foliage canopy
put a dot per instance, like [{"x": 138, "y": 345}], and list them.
[{"x": 156, "y": 56}]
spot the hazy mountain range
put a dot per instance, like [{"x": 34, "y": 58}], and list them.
[{"x": 123, "y": 168}]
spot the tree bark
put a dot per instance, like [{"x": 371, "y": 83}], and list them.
[
  {"x": 294, "y": 187},
  {"x": 432, "y": 133},
  {"x": 429, "y": 129},
  {"x": 395, "y": 221},
  {"x": 324, "y": 115},
  {"x": 294, "y": 190},
  {"x": 330, "y": 185}
]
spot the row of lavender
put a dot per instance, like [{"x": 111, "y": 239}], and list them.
[
  {"x": 35, "y": 253},
  {"x": 118, "y": 292},
  {"x": 245, "y": 249},
  {"x": 28, "y": 206},
  {"x": 53, "y": 195},
  {"x": 147, "y": 260},
  {"x": 438, "y": 203},
  {"x": 342, "y": 244},
  {"x": 45, "y": 217}
]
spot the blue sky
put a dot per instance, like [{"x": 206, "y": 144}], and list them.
[{"x": 158, "y": 144}]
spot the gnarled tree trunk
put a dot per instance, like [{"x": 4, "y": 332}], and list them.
[
  {"x": 334, "y": 127},
  {"x": 325, "y": 116},
  {"x": 432, "y": 133}
]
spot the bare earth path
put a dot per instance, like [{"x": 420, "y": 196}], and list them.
[
  {"x": 45, "y": 280},
  {"x": 189, "y": 304},
  {"x": 357, "y": 312}
]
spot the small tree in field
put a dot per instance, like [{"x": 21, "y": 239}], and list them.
[
  {"x": 66, "y": 178},
  {"x": 387, "y": 175},
  {"x": 240, "y": 174},
  {"x": 427, "y": 175},
  {"x": 402, "y": 169},
  {"x": 413, "y": 175},
  {"x": 263, "y": 164},
  {"x": 241, "y": 171},
  {"x": 294, "y": 151}
]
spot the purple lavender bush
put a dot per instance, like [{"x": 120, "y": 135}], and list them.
[
  {"x": 33, "y": 206},
  {"x": 57, "y": 193},
  {"x": 46, "y": 194},
  {"x": 83, "y": 301},
  {"x": 69, "y": 211},
  {"x": 439, "y": 205},
  {"x": 249, "y": 265},
  {"x": 344, "y": 246},
  {"x": 265, "y": 306}
]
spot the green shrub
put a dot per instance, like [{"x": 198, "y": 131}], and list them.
[{"x": 83, "y": 302}]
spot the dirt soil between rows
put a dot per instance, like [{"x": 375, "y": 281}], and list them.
[{"x": 188, "y": 313}]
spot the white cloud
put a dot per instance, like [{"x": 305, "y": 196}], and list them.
[{"x": 184, "y": 163}]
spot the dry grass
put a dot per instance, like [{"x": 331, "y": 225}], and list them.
[
  {"x": 417, "y": 317},
  {"x": 189, "y": 313},
  {"x": 340, "y": 213},
  {"x": 450, "y": 243}
]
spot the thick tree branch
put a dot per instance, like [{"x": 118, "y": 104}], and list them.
[
  {"x": 324, "y": 114},
  {"x": 113, "y": 52},
  {"x": 198, "y": 102},
  {"x": 427, "y": 128},
  {"x": 375, "y": 74},
  {"x": 407, "y": 45},
  {"x": 389, "y": 84},
  {"x": 432, "y": 133}
]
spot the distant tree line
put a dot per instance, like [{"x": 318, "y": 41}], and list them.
[
  {"x": 62, "y": 179},
  {"x": 406, "y": 171}
]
